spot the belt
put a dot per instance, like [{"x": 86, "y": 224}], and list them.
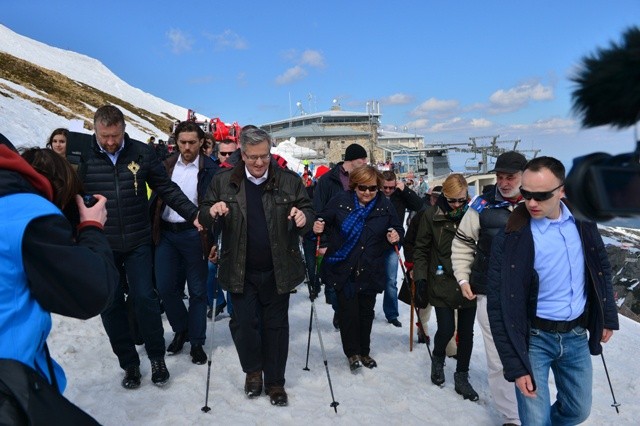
[
  {"x": 176, "y": 227},
  {"x": 556, "y": 326}
]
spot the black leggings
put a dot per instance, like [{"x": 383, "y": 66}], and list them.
[{"x": 446, "y": 328}]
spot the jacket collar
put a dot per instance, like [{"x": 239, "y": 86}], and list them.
[{"x": 238, "y": 175}]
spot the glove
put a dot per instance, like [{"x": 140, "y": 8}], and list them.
[{"x": 420, "y": 297}]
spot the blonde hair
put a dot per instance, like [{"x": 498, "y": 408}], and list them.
[
  {"x": 363, "y": 174},
  {"x": 454, "y": 184}
]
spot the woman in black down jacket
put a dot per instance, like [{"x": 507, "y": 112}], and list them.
[{"x": 361, "y": 224}]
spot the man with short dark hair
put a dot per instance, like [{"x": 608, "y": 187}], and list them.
[
  {"x": 120, "y": 168},
  {"x": 470, "y": 257},
  {"x": 264, "y": 209},
  {"x": 549, "y": 282},
  {"x": 180, "y": 244},
  {"x": 403, "y": 198}
]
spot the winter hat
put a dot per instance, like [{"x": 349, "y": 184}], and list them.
[
  {"x": 354, "y": 151},
  {"x": 510, "y": 162}
]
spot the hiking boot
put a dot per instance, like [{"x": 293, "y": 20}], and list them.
[
  {"x": 354, "y": 363},
  {"x": 178, "y": 342},
  {"x": 277, "y": 396},
  {"x": 423, "y": 338},
  {"x": 437, "y": 370},
  {"x": 336, "y": 321},
  {"x": 131, "y": 377},
  {"x": 253, "y": 384},
  {"x": 220, "y": 307},
  {"x": 197, "y": 355},
  {"x": 368, "y": 362},
  {"x": 395, "y": 322},
  {"x": 159, "y": 372},
  {"x": 463, "y": 387}
]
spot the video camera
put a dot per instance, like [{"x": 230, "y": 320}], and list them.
[
  {"x": 599, "y": 185},
  {"x": 602, "y": 187}
]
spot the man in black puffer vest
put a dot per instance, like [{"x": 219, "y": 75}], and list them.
[{"x": 120, "y": 168}]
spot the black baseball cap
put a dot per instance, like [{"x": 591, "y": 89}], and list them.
[{"x": 510, "y": 162}]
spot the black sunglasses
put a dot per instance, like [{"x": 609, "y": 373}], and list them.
[
  {"x": 456, "y": 200},
  {"x": 389, "y": 187},
  {"x": 225, "y": 154},
  {"x": 538, "y": 196},
  {"x": 372, "y": 188}
]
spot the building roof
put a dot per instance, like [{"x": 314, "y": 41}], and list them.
[
  {"x": 331, "y": 115},
  {"x": 317, "y": 131}
]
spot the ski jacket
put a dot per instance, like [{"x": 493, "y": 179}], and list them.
[
  {"x": 42, "y": 268},
  {"x": 471, "y": 247},
  {"x": 283, "y": 190},
  {"x": 433, "y": 247},
  {"x": 365, "y": 265},
  {"x": 513, "y": 291},
  {"x": 123, "y": 184},
  {"x": 327, "y": 187}
]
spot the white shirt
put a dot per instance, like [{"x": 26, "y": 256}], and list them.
[
  {"x": 186, "y": 176},
  {"x": 256, "y": 180}
]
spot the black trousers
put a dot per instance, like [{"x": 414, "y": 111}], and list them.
[
  {"x": 446, "y": 328},
  {"x": 356, "y": 319},
  {"x": 260, "y": 327}
]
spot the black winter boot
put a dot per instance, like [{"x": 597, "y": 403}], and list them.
[
  {"x": 437, "y": 370},
  {"x": 463, "y": 387}
]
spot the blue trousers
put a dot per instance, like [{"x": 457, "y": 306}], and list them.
[
  {"x": 138, "y": 268},
  {"x": 214, "y": 289},
  {"x": 390, "y": 300},
  {"x": 567, "y": 355},
  {"x": 183, "y": 248}
]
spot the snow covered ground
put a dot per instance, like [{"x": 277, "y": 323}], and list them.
[{"x": 397, "y": 392}]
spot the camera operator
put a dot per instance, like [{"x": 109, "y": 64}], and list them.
[{"x": 44, "y": 269}]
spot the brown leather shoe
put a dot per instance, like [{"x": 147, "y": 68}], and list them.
[
  {"x": 253, "y": 384},
  {"x": 278, "y": 396}
]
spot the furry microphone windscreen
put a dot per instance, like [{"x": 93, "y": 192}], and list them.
[{"x": 608, "y": 91}]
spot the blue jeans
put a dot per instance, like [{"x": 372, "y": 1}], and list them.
[
  {"x": 213, "y": 288},
  {"x": 390, "y": 301},
  {"x": 183, "y": 248},
  {"x": 567, "y": 355}
]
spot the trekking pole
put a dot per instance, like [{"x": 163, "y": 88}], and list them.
[
  {"x": 615, "y": 403},
  {"x": 412, "y": 290},
  {"x": 404, "y": 273},
  {"x": 334, "y": 404},
  {"x": 311, "y": 289},
  {"x": 216, "y": 227}
]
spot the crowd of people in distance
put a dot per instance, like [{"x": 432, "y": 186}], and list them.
[{"x": 224, "y": 224}]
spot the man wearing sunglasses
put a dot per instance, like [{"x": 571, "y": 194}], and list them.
[
  {"x": 549, "y": 282},
  {"x": 403, "y": 198},
  {"x": 470, "y": 254}
]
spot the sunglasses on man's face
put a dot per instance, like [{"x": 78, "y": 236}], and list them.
[
  {"x": 389, "y": 188},
  {"x": 538, "y": 196},
  {"x": 363, "y": 188},
  {"x": 225, "y": 154}
]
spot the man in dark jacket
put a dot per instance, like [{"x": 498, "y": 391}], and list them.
[
  {"x": 470, "y": 257},
  {"x": 331, "y": 183},
  {"x": 402, "y": 197},
  {"x": 44, "y": 267},
  {"x": 120, "y": 168},
  {"x": 265, "y": 209},
  {"x": 180, "y": 243},
  {"x": 549, "y": 282}
]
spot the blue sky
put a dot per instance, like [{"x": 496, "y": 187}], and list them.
[{"x": 445, "y": 70}]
